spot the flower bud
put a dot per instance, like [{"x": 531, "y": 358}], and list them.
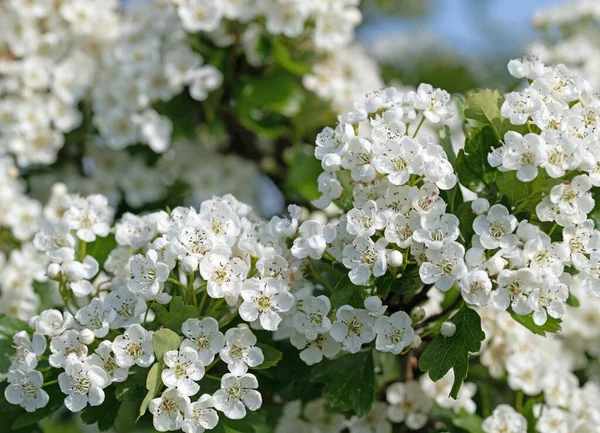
[
  {"x": 189, "y": 264},
  {"x": 417, "y": 314},
  {"x": 448, "y": 329},
  {"x": 480, "y": 206},
  {"x": 86, "y": 336},
  {"x": 394, "y": 258},
  {"x": 53, "y": 271},
  {"x": 416, "y": 341},
  {"x": 495, "y": 264}
]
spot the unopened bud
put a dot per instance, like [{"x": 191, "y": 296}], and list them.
[
  {"x": 416, "y": 341},
  {"x": 480, "y": 206},
  {"x": 448, "y": 329},
  {"x": 53, "y": 270},
  {"x": 395, "y": 258},
  {"x": 86, "y": 336},
  {"x": 417, "y": 314}
]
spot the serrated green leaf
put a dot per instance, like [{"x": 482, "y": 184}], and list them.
[
  {"x": 445, "y": 353},
  {"x": 349, "y": 381},
  {"x": 153, "y": 385},
  {"x": 484, "y": 107},
  {"x": 552, "y": 325},
  {"x": 409, "y": 282},
  {"x": 163, "y": 341},
  {"x": 177, "y": 314},
  {"x": 525, "y": 195},
  {"x": 346, "y": 293},
  {"x": 272, "y": 356}
]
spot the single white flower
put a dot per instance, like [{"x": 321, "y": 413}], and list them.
[
  {"x": 311, "y": 318},
  {"x": 83, "y": 383},
  {"x": 240, "y": 351},
  {"x": 183, "y": 370},
  {"x": 505, "y": 419},
  {"x": 104, "y": 358},
  {"x": 168, "y": 410},
  {"x": 134, "y": 347},
  {"x": 394, "y": 333},
  {"x": 200, "y": 415},
  {"x": 66, "y": 346},
  {"x": 147, "y": 275},
  {"x": 25, "y": 389},
  {"x": 265, "y": 299},
  {"x": 204, "y": 337},
  {"x": 353, "y": 328},
  {"x": 236, "y": 394}
]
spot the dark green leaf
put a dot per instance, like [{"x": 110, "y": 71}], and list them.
[
  {"x": 445, "y": 353},
  {"x": 346, "y": 293},
  {"x": 466, "y": 217},
  {"x": 468, "y": 422},
  {"x": 284, "y": 58},
  {"x": 552, "y": 325},
  {"x": 272, "y": 356},
  {"x": 484, "y": 107},
  {"x": 105, "y": 414},
  {"x": 446, "y": 138},
  {"x": 349, "y": 381},
  {"x": 177, "y": 314},
  {"x": 134, "y": 387},
  {"x": 409, "y": 282},
  {"x": 525, "y": 195}
]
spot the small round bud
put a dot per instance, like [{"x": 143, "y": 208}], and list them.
[
  {"x": 86, "y": 336},
  {"x": 495, "y": 264},
  {"x": 416, "y": 341},
  {"x": 448, "y": 329},
  {"x": 395, "y": 258},
  {"x": 480, "y": 206},
  {"x": 53, "y": 270},
  {"x": 189, "y": 264},
  {"x": 417, "y": 314}
]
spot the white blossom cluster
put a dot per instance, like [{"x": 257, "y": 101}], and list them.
[
  {"x": 568, "y": 35},
  {"x": 48, "y": 61},
  {"x": 330, "y": 24}
]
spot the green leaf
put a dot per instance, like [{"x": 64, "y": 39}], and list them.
[
  {"x": 284, "y": 58},
  {"x": 445, "y": 353},
  {"x": 468, "y": 422},
  {"x": 153, "y": 385},
  {"x": 177, "y": 314},
  {"x": 163, "y": 341},
  {"x": 552, "y": 325},
  {"x": 484, "y": 107},
  {"x": 253, "y": 422},
  {"x": 101, "y": 248},
  {"x": 105, "y": 414},
  {"x": 346, "y": 293},
  {"x": 446, "y": 139},
  {"x": 409, "y": 282},
  {"x": 573, "y": 301},
  {"x": 349, "y": 381},
  {"x": 272, "y": 356},
  {"x": 466, "y": 217},
  {"x": 472, "y": 167},
  {"x": 303, "y": 169},
  {"x": 9, "y": 326},
  {"x": 134, "y": 387},
  {"x": 525, "y": 195}
]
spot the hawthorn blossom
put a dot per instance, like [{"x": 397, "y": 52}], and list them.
[
  {"x": 236, "y": 394},
  {"x": 183, "y": 370},
  {"x": 134, "y": 347}
]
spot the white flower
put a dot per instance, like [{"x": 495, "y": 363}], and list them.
[
  {"x": 53, "y": 236},
  {"x": 66, "y": 346},
  {"x": 52, "y": 322},
  {"x": 147, "y": 274},
  {"x": 398, "y": 159},
  {"x": 184, "y": 370},
  {"x": 128, "y": 307},
  {"x": 476, "y": 288},
  {"x": 83, "y": 383},
  {"x": 311, "y": 318},
  {"x": 364, "y": 257},
  {"x": 513, "y": 289},
  {"x": 526, "y": 372},
  {"x": 265, "y": 299},
  {"x": 134, "y": 347},
  {"x": 408, "y": 404},
  {"x": 444, "y": 266},
  {"x": 573, "y": 201},
  {"x": 168, "y": 410},
  {"x": 524, "y": 154},
  {"x": 25, "y": 389},
  {"x": 394, "y": 333},
  {"x": 358, "y": 159},
  {"x": 496, "y": 227},
  {"x": 520, "y": 106},
  {"x": 204, "y": 337},
  {"x": 554, "y": 419},
  {"x": 435, "y": 103},
  {"x": 365, "y": 221},
  {"x": 373, "y": 422},
  {"x": 313, "y": 351},
  {"x": 223, "y": 273},
  {"x": 200, "y": 16},
  {"x": 440, "y": 392},
  {"x": 90, "y": 217},
  {"x": 240, "y": 351},
  {"x": 313, "y": 239},
  {"x": 437, "y": 231},
  {"x": 200, "y": 415},
  {"x": 104, "y": 358},
  {"x": 203, "y": 81},
  {"x": 547, "y": 258},
  {"x": 550, "y": 299},
  {"x": 77, "y": 275},
  {"x": 236, "y": 394},
  {"x": 27, "y": 350},
  {"x": 352, "y": 328},
  {"x": 505, "y": 419},
  {"x": 401, "y": 227},
  {"x": 96, "y": 316}
]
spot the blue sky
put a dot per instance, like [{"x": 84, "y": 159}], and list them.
[{"x": 475, "y": 25}]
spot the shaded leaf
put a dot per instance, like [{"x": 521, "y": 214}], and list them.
[
  {"x": 552, "y": 325},
  {"x": 272, "y": 356},
  {"x": 177, "y": 314},
  {"x": 153, "y": 385},
  {"x": 163, "y": 341},
  {"x": 346, "y": 293}
]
